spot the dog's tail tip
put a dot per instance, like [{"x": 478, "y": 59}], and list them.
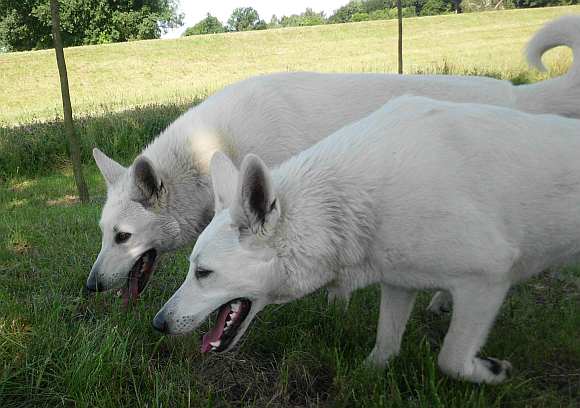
[{"x": 562, "y": 31}]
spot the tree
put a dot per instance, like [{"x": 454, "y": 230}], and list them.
[
  {"x": 26, "y": 24},
  {"x": 344, "y": 14},
  {"x": 274, "y": 22},
  {"x": 469, "y": 6},
  {"x": 74, "y": 145},
  {"x": 308, "y": 18},
  {"x": 244, "y": 19},
  {"x": 374, "y": 5},
  {"x": 435, "y": 7},
  {"x": 356, "y": 17},
  {"x": 209, "y": 25},
  {"x": 261, "y": 25},
  {"x": 311, "y": 17}
]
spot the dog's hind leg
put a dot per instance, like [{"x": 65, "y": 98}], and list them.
[
  {"x": 475, "y": 306},
  {"x": 396, "y": 306},
  {"x": 440, "y": 303}
]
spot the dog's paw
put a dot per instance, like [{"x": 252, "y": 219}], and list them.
[
  {"x": 377, "y": 359},
  {"x": 441, "y": 303},
  {"x": 494, "y": 371},
  {"x": 481, "y": 370}
]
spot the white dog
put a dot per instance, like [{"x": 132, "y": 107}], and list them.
[
  {"x": 164, "y": 199},
  {"x": 422, "y": 194}
]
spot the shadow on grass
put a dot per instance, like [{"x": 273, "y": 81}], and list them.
[{"x": 38, "y": 148}]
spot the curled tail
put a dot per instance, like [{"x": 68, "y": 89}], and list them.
[{"x": 563, "y": 31}]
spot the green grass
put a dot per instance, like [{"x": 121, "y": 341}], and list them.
[
  {"x": 129, "y": 74},
  {"x": 60, "y": 347}
]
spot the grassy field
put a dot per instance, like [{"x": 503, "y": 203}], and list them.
[
  {"x": 136, "y": 73},
  {"x": 60, "y": 347}
]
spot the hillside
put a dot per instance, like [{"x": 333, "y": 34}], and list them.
[{"x": 127, "y": 74}]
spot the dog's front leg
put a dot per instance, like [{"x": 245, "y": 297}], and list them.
[
  {"x": 475, "y": 305},
  {"x": 396, "y": 306}
]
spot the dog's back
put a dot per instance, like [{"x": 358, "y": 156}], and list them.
[{"x": 455, "y": 183}]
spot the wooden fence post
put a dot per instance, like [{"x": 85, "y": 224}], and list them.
[
  {"x": 400, "y": 49},
  {"x": 73, "y": 141}
]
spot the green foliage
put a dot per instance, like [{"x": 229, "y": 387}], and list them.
[
  {"x": 308, "y": 18},
  {"x": 468, "y": 6},
  {"x": 209, "y": 25},
  {"x": 362, "y": 10},
  {"x": 26, "y": 24},
  {"x": 245, "y": 19},
  {"x": 543, "y": 3},
  {"x": 356, "y": 17},
  {"x": 434, "y": 7},
  {"x": 374, "y": 5},
  {"x": 261, "y": 25},
  {"x": 274, "y": 22},
  {"x": 344, "y": 14},
  {"x": 380, "y": 15}
]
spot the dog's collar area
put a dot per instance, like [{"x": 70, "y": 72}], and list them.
[{"x": 230, "y": 317}]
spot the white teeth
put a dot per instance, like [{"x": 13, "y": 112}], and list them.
[
  {"x": 235, "y": 307},
  {"x": 229, "y": 323},
  {"x": 215, "y": 344}
]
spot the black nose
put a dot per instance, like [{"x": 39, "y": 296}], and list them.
[
  {"x": 159, "y": 323},
  {"x": 93, "y": 285}
]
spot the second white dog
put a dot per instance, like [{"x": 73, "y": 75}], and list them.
[{"x": 421, "y": 194}]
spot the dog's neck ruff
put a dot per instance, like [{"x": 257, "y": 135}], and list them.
[{"x": 334, "y": 237}]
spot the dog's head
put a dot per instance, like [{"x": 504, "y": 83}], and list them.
[
  {"x": 233, "y": 266},
  {"x": 136, "y": 228}
]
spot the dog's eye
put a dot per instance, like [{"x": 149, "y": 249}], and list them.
[
  {"x": 122, "y": 237},
  {"x": 201, "y": 273}
]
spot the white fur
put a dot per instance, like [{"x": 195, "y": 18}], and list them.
[
  {"x": 276, "y": 116},
  {"x": 421, "y": 194}
]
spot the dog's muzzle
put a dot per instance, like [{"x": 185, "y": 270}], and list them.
[{"x": 93, "y": 284}]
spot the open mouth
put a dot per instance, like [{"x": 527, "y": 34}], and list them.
[
  {"x": 230, "y": 317},
  {"x": 139, "y": 276}
]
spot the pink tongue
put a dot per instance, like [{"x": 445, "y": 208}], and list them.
[
  {"x": 133, "y": 289},
  {"x": 131, "y": 292},
  {"x": 215, "y": 333}
]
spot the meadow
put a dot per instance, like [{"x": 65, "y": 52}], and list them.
[
  {"x": 118, "y": 76},
  {"x": 60, "y": 346}
]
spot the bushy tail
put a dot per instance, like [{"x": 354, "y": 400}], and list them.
[{"x": 563, "y": 31}]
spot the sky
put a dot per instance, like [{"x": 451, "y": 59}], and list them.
[{"x": 196, "y": 10}]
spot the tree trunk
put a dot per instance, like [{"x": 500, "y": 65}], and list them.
[
  {"x": 400, "y": 50},
  {"x": 74, "y": 145}
]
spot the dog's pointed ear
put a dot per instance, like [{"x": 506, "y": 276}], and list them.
[
  {"x": 110, "y": 169},
  {"x": 147, "y": 186},
  {"x": 224, "y": 177},
  {"x": 255, "y": 206}
]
